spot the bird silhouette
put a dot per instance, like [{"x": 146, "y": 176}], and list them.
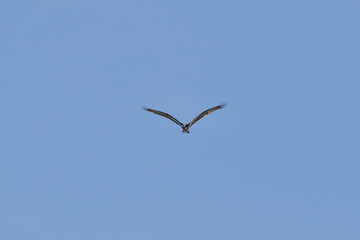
[{"x": 186, "y": 126}]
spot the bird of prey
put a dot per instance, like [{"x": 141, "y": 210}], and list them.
[{"x": 186, "y": 126}]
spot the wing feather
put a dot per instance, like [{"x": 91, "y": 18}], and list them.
[
  {"x": 206, "y": 112},
  {"x": 164, "y": 115}
]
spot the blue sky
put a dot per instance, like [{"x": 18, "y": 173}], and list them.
[{"x": 81, "y": 160}]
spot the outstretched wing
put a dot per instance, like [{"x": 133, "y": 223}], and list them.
[
  {"x": 164, "y": 115},
  {"x": 206, "y": 112}
]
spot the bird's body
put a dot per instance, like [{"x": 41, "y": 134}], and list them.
[{"x": 186, "y": 126}]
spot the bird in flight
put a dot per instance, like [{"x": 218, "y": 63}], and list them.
[{"x": 186, "y": 126}]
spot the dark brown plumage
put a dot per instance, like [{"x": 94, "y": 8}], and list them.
[{"x": 185, "y": 127}]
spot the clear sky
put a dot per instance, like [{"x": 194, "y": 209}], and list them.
[{"x": 80, "y": 159}]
